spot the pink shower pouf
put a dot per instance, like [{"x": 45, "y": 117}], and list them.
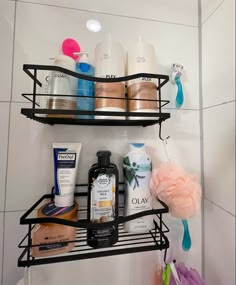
[{"x": 178, "y": 189}]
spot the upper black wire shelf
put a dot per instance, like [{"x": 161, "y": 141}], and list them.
[{"x": 70, "y": 117}]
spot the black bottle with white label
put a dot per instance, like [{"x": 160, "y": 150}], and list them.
[{"x": 103, "y": 201}]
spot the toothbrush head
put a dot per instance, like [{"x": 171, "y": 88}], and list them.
[{"x": 177, "y": 71}]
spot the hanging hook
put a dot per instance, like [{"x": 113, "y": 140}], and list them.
[{"x": 160, "y": 137}]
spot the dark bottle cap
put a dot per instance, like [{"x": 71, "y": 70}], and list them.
[{"x": 103, "y": 158}]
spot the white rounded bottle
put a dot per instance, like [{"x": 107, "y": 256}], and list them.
[
  {"x": 137, "y": 168},
  {"x": 141, "y": 59},
  {"x": 109, "y": 63}
]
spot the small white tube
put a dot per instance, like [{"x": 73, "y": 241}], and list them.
[{"x": 66, "y": 158}]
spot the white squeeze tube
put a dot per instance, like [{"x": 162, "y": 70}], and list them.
[{"x": 66, "y": 158}]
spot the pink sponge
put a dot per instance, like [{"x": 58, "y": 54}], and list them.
[{"x": 177, "y": 188}]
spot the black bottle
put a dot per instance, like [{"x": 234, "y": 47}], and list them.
[{"x": 103, "y": 201}]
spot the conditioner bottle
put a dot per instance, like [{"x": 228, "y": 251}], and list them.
[{"x": 103, "y": 201}]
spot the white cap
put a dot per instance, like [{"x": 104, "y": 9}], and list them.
[
  {"x": 64, "y": 201},
  {"x": 65, "y": 61},
  {"x": 83, "y": 57}
]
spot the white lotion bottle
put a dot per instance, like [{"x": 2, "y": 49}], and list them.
[
  {"x": 109, "y": 63},
  {"x": 137, "y": 168}
]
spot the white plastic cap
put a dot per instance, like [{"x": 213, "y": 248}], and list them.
[
  {"x": 65, "y": 61},
  {"x": 83, "y": 57},
  {"x": 64, "y": 201}
]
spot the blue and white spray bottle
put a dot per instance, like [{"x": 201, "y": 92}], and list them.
[
  {"x": 177, "y": 71},
  {"x": 85, "y": 87}
]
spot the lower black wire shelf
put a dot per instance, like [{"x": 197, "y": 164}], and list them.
[{"x": 155, "y": 239}]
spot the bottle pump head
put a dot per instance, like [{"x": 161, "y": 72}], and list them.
[
  {"x": 83, "y": 61},
  {"x": 103, "y": 158}
]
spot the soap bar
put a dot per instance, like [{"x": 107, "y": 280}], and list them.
[{"x": 53, "y": 239}]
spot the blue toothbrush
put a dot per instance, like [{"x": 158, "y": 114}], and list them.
[{"x": 186, "y": 242}]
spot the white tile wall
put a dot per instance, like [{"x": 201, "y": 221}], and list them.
[
  {"x": 208, "y": 7},
  {"x": 36, "y": 41},
  {"x": 219, "y": 155},
  {"x": 167, "y": 11},
  {"x": 4, "y": 123},
  {"x": 13, "y": 234},
  {"x": 220, "y": 246},
  {"x": 30, "y": 165},
  {"x": 219, "y": 140},
  {"x": 1, "y": 242},
  {"x": 193, "y": 257},
  {"x": 218, "y": 55},
  {"x": 34, "y": 141},
  {"x": 7, "y": 10},
  {"x": 102, "y": 271}
]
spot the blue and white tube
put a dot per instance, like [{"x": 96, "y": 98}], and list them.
[{"x": 66, "y": 158}]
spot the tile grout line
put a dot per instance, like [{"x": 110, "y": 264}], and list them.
[
  {"x": 108, "y": 14},
  {"x": 201, "y": 135},
  {"x": 220, "y": 207},
  {"x": 220, "y": 104},
  {"x": 213, "y": 12},
  {"x": 8, "y": 141}
]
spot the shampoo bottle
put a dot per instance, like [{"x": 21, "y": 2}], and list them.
[
  {"x": 109, "y": 63},
  {"x": 85, "y": 87},
  {"x": 62, "y": 84},
  {"x": 137, "y": 168},
  {"x": 103, "y": 201},
  {"x": 141, "y": 59}
]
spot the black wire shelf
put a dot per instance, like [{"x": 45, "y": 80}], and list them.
[
  {"x": 70, "y": 117},
  {"x": 155, "y": 239}
]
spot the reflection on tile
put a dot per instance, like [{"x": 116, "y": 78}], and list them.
[
  {"x": 219, "y": 246},
  {"x": 167, "y": 11},
  {"x": 31, "y": 32},
  {"x": 7, "y": 9},
  {"x": 219, "y": 155},
  {"x": 4, "y": 122},
  {"x": 218, "y": 56}
]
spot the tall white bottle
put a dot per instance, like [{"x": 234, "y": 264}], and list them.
[
  {"x": 137, "y": 168},
  {"x": 141, "y": 59},
  {"x": 109, "y": 63}
]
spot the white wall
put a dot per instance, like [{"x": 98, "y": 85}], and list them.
[
  {"x": 218, "y": 52},
  {"x": 39, "y": 30}
]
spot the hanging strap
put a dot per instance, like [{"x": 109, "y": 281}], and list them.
[{"x": 174, "y": 273}]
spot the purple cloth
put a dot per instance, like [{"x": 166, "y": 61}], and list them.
[{"x": 187, "y": 276}]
